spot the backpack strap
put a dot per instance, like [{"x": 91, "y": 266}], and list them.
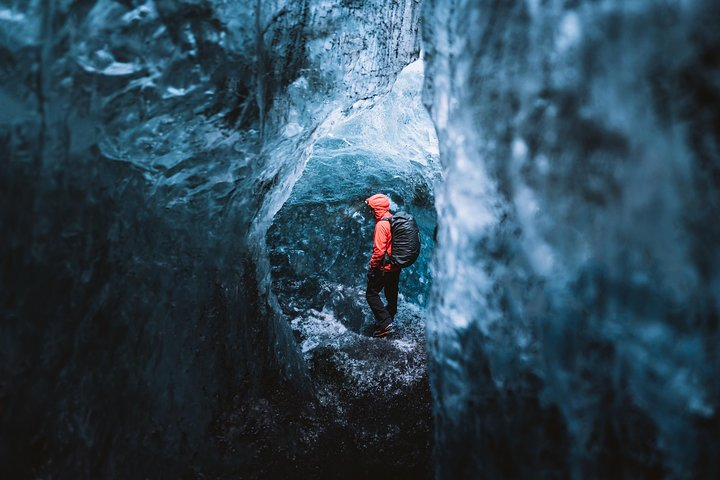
[{"x": 385, "y": 255}]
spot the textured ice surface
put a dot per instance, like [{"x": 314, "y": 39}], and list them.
[
  {"x": 321, "y": 240},
  {"x": 382, "y": 366},
  {"x": 146, "y": 146},
  {"x": 575, "y": 300},
  {"x": 374, "y": 397}
]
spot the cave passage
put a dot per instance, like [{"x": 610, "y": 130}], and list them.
[
  {"x": 320, "y": 245},
  {"x": 320, "y": 241}
]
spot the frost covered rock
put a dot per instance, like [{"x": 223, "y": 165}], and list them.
[
  {"x": 375, "y": 391},
  {"x": 576, "y": 291}
]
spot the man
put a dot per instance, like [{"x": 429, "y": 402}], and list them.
[{"x": 381, "y": 274}]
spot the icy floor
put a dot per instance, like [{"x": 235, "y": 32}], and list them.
[
  {"x": 387, "y": 364},
  {"x": 371, "y": 413}
]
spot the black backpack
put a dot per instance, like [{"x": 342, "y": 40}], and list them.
[{"x": 405, "y": 240}]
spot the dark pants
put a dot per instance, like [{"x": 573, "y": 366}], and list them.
[{"x": 377, "y": 281}]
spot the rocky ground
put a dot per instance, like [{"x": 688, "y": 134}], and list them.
[{"x": 372, "y": 416}]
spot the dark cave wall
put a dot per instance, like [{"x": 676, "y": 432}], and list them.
[
  {"x": 145, "y": 148},
  {"x": 580, "y": 146}
]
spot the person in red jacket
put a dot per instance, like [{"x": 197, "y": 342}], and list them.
[{"x": 381, "y": 274}]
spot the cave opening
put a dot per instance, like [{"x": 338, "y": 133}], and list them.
[{"x": 321, "y": 239}]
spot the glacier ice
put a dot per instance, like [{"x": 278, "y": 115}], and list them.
[
  {"x": 160, "y": 314},
  {"x": 579, "y": 143},
  {"x": 321, "y": 239},
  {"x": 146, "y": 145}
]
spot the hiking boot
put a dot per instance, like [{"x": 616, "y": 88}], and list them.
[{"x": 381, "y": 332}]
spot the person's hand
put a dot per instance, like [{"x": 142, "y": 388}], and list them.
[{"x": 373, "y": 273}]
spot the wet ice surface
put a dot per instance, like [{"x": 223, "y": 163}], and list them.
[
  {"x": 388, "y": 365},
  {"x": 373, "y": 390}
]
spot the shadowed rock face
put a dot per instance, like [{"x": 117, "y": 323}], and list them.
[
  {"x": 373, "y": 414},
  {"x": 146, "y": 147},
  {"x": 575, "y": 314}
]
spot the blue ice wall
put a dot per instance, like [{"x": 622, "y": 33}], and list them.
[
  {"x": 145, "y": 147},
  {"x": 321, "y": 240},
  {"x": 576, "y": 292}
]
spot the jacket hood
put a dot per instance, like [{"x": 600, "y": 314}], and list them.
[{"x": 380, "y": 205}]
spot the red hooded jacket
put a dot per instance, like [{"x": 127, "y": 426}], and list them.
[{"x": 383, "y": 236}]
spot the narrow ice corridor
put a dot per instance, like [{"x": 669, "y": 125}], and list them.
[{"x": 185, "y": 242}]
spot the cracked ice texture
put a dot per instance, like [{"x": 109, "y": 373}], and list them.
[
  {"x": 146, "y": 147},
  {"x": 575, "y": 324}
]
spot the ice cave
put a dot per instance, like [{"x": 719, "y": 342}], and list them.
[{"x": 184, "y": 240}]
